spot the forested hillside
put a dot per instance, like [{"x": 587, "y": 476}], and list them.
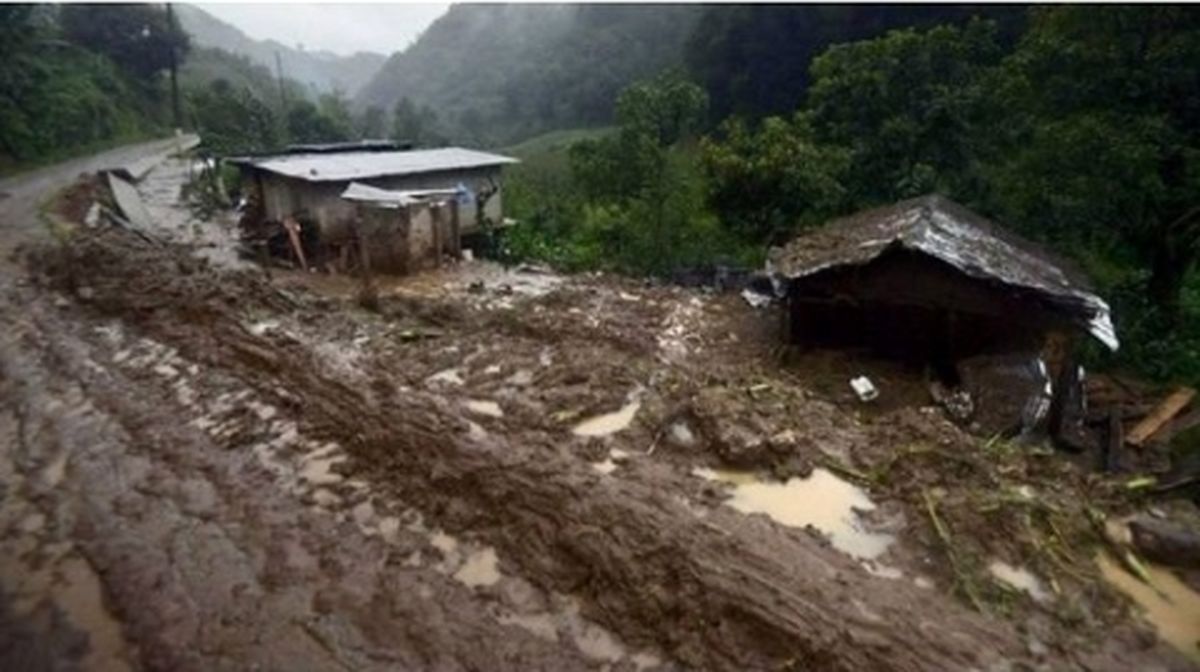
[
  {"x": 493, "y": 74},
  {"x": 69, "y": 82},
  {"x": 754, "y": 59},
  {"x": 318, "y": 71},
  {"x": 1077, "y": 126}
]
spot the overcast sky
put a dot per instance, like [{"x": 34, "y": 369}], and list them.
[{"x": 342, "y": 29}]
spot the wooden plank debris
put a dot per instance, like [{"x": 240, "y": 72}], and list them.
[
  {"x": 293, "y": 231},
  {"x": 1160, "y": 416}
]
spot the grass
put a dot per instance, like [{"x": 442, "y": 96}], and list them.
[{"x": 554, "y": 142}]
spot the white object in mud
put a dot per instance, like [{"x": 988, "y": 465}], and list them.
[
  {"x": 864, "y": 388},
  {"x": 755, "y": 299}
]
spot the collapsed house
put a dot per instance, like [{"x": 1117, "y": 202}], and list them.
[
  {"x": 929, "y": 281},
  {"x": 295, "y": 205}
]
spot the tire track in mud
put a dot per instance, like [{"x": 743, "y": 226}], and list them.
[
  {"x": 206, "y": 564},
  {"x": 714, "y": 590}
]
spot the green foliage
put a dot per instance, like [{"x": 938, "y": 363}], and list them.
[
  {"x": 418, "y": 125},
  {"x": 138, "y": 38},
  {"x": 754, "y": 59},
  {"x": 306, "y": 123},
  {"x": 372, "y": 123},
  {"x": 335, "y": 110},
  {"x": 634, "y": 200},
  {"x": 500, "y": 73},
  {"x": 232, "y": 120},
  {"x": 907, "y": 106},
  {"x": 769, "y": 182},
  {"x": 1106, "y": 135},
  {"x": 59, "y": 99}
]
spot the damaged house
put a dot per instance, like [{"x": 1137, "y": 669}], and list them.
[
  {"x": 295, "y": 204},
  {"x": 927, "y": 280}
]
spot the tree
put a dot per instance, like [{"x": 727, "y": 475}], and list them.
[
  {"x": 371, "y": 124},
  {"x": 654, "y": 116},
  {"x": 417, "y": 125},
  {"x": 909, "y": 107},
  {"x": 231, "y": 120},
  {"x": 138, "y": 38},
  {"x": 766, "y": 182},
  {"x": 1105, "y": 135},
  {"x": 645, "y": 201},
  {"x": 306, "y": 124},
  {"x": 335, "y": 109},
  {"x": 754, "y": 59}
]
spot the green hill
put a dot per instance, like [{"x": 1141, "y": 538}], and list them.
[{"x": 496, "y": 74}]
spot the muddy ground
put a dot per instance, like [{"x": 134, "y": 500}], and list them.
[{"x": 210, "y": 468}]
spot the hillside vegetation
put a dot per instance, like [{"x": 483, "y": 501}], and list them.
[
  {"x": 319, "y": 72},
  {"x": 1081, "y": 132},
  {"x": 496, "y": 74},
  {"x": 69, "y": 83}
]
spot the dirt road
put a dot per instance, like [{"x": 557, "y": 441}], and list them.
[{"x": 207, "y": 470}]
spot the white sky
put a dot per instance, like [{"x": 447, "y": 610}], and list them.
[{"x": 340, "y": 28}]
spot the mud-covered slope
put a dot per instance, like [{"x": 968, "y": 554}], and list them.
[{"x": 649, "y": 555}]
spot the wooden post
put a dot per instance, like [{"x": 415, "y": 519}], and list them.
[
  {"x": 293, "y": 231},
  {"x": 455, "y": 231}
]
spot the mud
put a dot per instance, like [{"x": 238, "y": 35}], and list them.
[{"x": 259, "y": 473}]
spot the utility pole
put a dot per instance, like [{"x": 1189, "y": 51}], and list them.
[
  {"x": 282, "y": 89},
  {"x": 172, "y": 35}
]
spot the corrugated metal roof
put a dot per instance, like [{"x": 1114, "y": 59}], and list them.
[
  {"x": 346, "y": 166},
  {"x": 945, "y": 230}
]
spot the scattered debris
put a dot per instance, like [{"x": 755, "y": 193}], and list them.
[
  {"x": 1160, "y": 416},
  {"x": 864, "y": 388}
]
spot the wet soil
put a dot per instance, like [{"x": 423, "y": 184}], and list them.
[{"x": 214, "y": 469}]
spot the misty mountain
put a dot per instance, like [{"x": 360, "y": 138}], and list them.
[
  {"x": 498, "y": 73},
  {"x": 318, "y": 71}
]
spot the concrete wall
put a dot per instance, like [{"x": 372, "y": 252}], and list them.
[
  {"x": 404, "y": 242},
  {"x": 322, "y": 202}
]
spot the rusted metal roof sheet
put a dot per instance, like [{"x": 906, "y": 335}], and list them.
[
  {"x": 945, "y": 230},
  {"x": 361, "y": 165}
]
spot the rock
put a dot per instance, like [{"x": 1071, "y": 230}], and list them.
[{"x": 1165, "y": 541}]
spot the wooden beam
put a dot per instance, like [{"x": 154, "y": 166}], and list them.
[
  {"x": 1161, "y": 415},
  {"x": 293, "y": 231}
]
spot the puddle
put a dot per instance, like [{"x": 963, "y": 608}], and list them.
[
  {"x": 479, "y": 569},
  {"x": 1169, "y": 605},
  {"x": 822, "y": 500},
  {"x": 609, "y": 423},
  {"x": 483, "y": 407},
  {"x": 1019, "y": 578}
]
